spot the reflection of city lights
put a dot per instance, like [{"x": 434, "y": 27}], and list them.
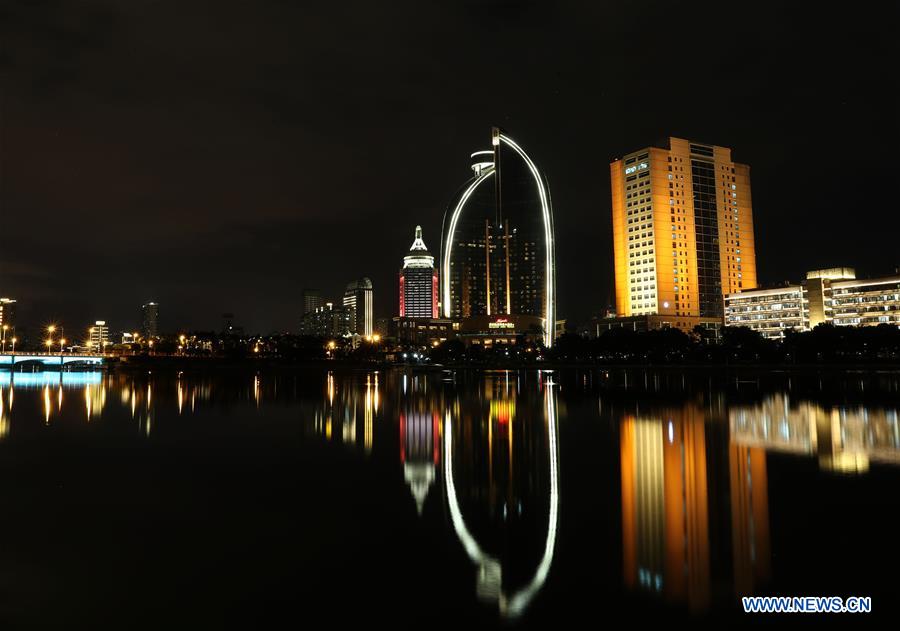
[
  {"x": 47, "y": 405},
  {"x": 489, "y": 568},
  {"x": 4, "y": 423}
]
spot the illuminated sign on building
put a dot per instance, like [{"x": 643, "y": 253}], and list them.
[
  {"x": 637, "y": 167},
  {"x": 501, "y": 323}
]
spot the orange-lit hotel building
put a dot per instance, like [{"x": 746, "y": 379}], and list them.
[{"x": 682, "y": 233}]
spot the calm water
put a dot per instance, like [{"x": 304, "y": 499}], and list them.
[{"x": 510, "y": 498}]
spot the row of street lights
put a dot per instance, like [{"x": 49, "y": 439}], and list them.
[{"x": 49, "y": 342}]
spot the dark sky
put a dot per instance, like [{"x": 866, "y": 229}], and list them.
[{"x": 220, "y": 156}]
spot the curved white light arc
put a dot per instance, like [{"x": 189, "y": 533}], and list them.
[
  {"x": 451, "y": 232},
  {"x": 549, "y": 255},
  {"x": 514, "y": 604}
]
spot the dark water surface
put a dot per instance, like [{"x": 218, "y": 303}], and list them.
[{"x": 513, "y": 498}]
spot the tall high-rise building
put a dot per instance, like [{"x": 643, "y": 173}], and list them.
[
  {"x": 326, "y": 321},
  {"x": 150, "y": 320},
  {"x": 418, "y": 282},
  {"x": 682, "y": 231},
  {"x": 98, "y": 336},
  {"x": 358, "y": 303},
  {"x": 312, "y": 300},
  {"x": 7, "y": 312},
  {"x": 497, "y": 243}
]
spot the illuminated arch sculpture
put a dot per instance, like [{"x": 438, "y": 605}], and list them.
[{"x": 487, "y": 166}]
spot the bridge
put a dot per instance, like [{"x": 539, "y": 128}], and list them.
[{"x": 50, "y": 360}]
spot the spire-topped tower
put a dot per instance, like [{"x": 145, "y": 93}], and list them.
[{"x": 418, "y": 281}]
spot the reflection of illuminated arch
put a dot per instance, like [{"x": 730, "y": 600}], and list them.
[
  {"x": 549, "y": 249},
  {"x": 489, "y": 567}
]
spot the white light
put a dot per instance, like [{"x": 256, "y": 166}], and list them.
[
  {"x": 451, "y": 232},
  {"x": 550, "y": 308}
]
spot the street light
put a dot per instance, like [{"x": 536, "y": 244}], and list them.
[
  {"x": 62, "y": 341},
  {"x": 3, "y": 338},
  {"x": 49, "y": 343},
  {"x": 14, "y": 340}
]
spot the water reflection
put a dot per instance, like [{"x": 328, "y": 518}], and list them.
[
  {"x": 843, "y": 438},
  {"x": 673, "y": 496},
  {"x": 694, "y": 487},
  {"x": 348, "y": 413},
  {"x": 473, "y": 460},
  {"x": 502, "y": 470}
]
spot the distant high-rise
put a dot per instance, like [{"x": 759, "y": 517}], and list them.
[
  {"x": 7, "y": 312},
  {"x": 358, "y": 303},
  {"x": 418, "y": 282},
  {"x": 682, "y": 231},
  {"x": 312, "y": 300},
  {"x": 498, "y": 257},
  {"x": 98, "y": 336},
  {"x": 150, "y": 320},
  {"x": 326, "y": 321}
]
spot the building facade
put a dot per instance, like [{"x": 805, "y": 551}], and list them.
[
  {"x": 358, "y": 304},
  {"x": 422, "y": 332},
  {"x": 312, "y": 300},
  {"x": 7, "y": 312},
  {"x": 326, "y": 321},
  {"x": 418, "y": 282},
  {"x": 682, "y": 231},
  {"x": 497, "y": 241},
  {"x": 832, "y": 296},
  {"x": 98, "y": 336},
  {"x": 150, "y": 320}
]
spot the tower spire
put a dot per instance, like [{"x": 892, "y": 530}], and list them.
[{"x": 418, "y": 243}]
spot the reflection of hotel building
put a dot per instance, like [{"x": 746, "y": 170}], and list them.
[
  {"x": 833, "y": 296},
  {"x": 420, "y": 435},
  {"x": 682, "y": 233},
  {"x": 845, "y": 438},
  {"x": 501, "y": 484},
  {"x": 497, "y": 244},
  {"x": 348, "y": 411},
  {"x": 672, "y": 501}
]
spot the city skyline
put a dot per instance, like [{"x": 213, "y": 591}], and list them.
[{"x": 175, "y": 201}]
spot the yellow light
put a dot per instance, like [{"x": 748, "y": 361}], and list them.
[
  {"x": 182, "y": 338},
  {"x": 62, "y": 341},
  {"x": 376, "y": 337},
  {"x": 51, "y": 328},
  {"x": 49, "y": 343}
]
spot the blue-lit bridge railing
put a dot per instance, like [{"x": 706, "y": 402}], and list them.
[{"x": 50, "y": 360}]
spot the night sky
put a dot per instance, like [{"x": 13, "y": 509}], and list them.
[{"x": 220, "y": 157}]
